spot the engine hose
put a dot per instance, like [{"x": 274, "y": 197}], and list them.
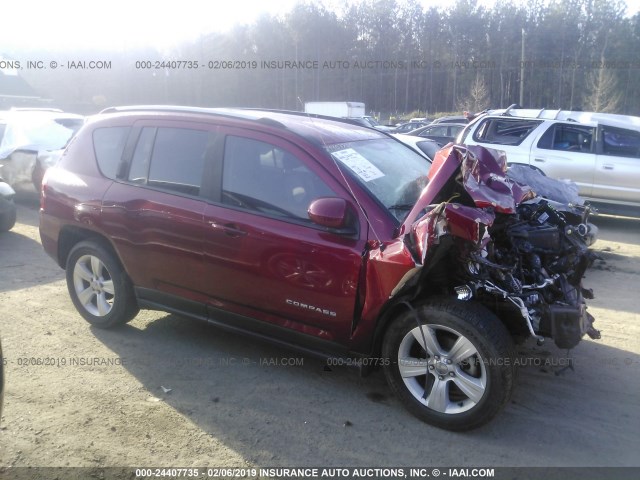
[{"x": 518, "y": 302}]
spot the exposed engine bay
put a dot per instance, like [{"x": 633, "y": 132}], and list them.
[{"x": 521, "y": 255}]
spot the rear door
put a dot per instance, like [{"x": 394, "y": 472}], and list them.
[
  {"x": 617, "y": 176},
  {"x": 263, "y": 256},
  {"x": 154, "y": 213}
]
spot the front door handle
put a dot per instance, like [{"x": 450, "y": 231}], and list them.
[
  {"x": 229, "y": 229},
  {"x": 607, "y": 167},
  {"x": 541, "y": 160}
]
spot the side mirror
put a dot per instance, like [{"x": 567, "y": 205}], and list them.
[{"x": 330, "y": 212}]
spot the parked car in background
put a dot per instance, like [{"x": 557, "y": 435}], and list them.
[
  {"x": 424, "y": 146},
  {"x": 408, "y": 127},
  {"x": 599, "y": 152},
  {"x": 368, "y": 121},
  {"x": 7, "y": 207},
  {"x": 321, "y": 235},
  {"x": 26, "y": 137},
  {"x": 442, "y": 133},
  {"x": 451, "y": 119}
]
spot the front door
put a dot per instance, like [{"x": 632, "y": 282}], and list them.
[{"x": 264, "y": 258}]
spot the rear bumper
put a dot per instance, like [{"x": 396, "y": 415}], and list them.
[{"x": 49, "y": 233}]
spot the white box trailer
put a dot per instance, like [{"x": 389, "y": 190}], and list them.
[{"x": 336, "y": 109}]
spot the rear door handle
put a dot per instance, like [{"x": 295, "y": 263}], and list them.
[
  {"x": 541, "y": 160},
  {"x": 229, "y": 229},
  {"x": 607, "y": 167}
]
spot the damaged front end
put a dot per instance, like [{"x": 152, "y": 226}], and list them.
[{"x": 481, "y": 236}]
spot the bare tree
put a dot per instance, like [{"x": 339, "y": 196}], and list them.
[
  {"x": 603, "y": 92},
  {"x": 478, "y": 98},
  {"x": 602, "y": 86}
]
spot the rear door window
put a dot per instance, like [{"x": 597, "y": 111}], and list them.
[
  {"x": 171, "y": 159},
  {"x": 568, "y": 137}
]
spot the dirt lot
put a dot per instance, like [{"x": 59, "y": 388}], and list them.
[{"x": 102, "y": 399}]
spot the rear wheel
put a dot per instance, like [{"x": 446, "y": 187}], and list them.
[
  {"x": 99, "y": 286},
  {"x": 451, "y": 363}
]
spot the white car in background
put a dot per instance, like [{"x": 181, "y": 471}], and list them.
[
  {"x": 31, "y": 140},
  {"x": 424, "y": 146},
  {"x": 599, "y": 152}
]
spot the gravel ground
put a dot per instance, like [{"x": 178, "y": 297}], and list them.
[{"x": 168, "y": 391}]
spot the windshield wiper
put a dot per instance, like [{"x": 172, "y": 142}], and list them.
[{"x": 401, "y": 206}]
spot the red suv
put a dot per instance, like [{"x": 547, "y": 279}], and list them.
[{"x": 322, "y": 235}]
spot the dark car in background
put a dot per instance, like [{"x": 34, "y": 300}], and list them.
[
  {"x": 452, "y": 119},
  {"x": 409, "y": 127},
  {"x": 31, "y": 140},
  {"x": 368, "y": 121},
  {"x": 321, "y": 235},
  {"x": 442, "y": 133}
]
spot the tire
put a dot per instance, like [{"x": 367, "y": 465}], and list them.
[
  {"x": 99, "y": 287},
  {"x": 8, "y": 218},
  {"x": 36, "y": 176},
  {"x": 454, "y": 390}
]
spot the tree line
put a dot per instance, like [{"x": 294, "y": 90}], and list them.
[{"x": 393, "y": 55}]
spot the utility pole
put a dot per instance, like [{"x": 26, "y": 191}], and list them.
[{"x": 521, "y": 102}]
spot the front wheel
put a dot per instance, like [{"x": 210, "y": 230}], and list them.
[
  {"x": 99, "y": 287},
  {"x": 451, "y": 363}
]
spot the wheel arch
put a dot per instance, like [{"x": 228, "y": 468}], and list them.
[
  {"x": 431, "y": 283},
  {"x": 390, "y": 311},
  {"x": 70, "y": 236}
]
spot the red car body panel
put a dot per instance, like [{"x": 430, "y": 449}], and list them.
[{"x": 291, "y": 276}]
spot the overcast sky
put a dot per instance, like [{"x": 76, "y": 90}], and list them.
[{"x": 119, "y": 24}]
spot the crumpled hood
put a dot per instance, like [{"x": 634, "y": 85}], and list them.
[
  {"x": 484, "y": 178},
  {"x": 482, "y": 172}
]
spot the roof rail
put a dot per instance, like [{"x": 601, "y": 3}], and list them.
[
  {"x": 310, "y": 115},
  {"x": 35, "y": 109},
  {"x": 513, "y": 106},
  {"x": 155, "y": 108},
  {"x": 229, "y": 112}
]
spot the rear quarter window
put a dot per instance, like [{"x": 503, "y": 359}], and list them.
[
  {"x": 108, "y": 144},
  {"x": 504, "y": 131}
]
